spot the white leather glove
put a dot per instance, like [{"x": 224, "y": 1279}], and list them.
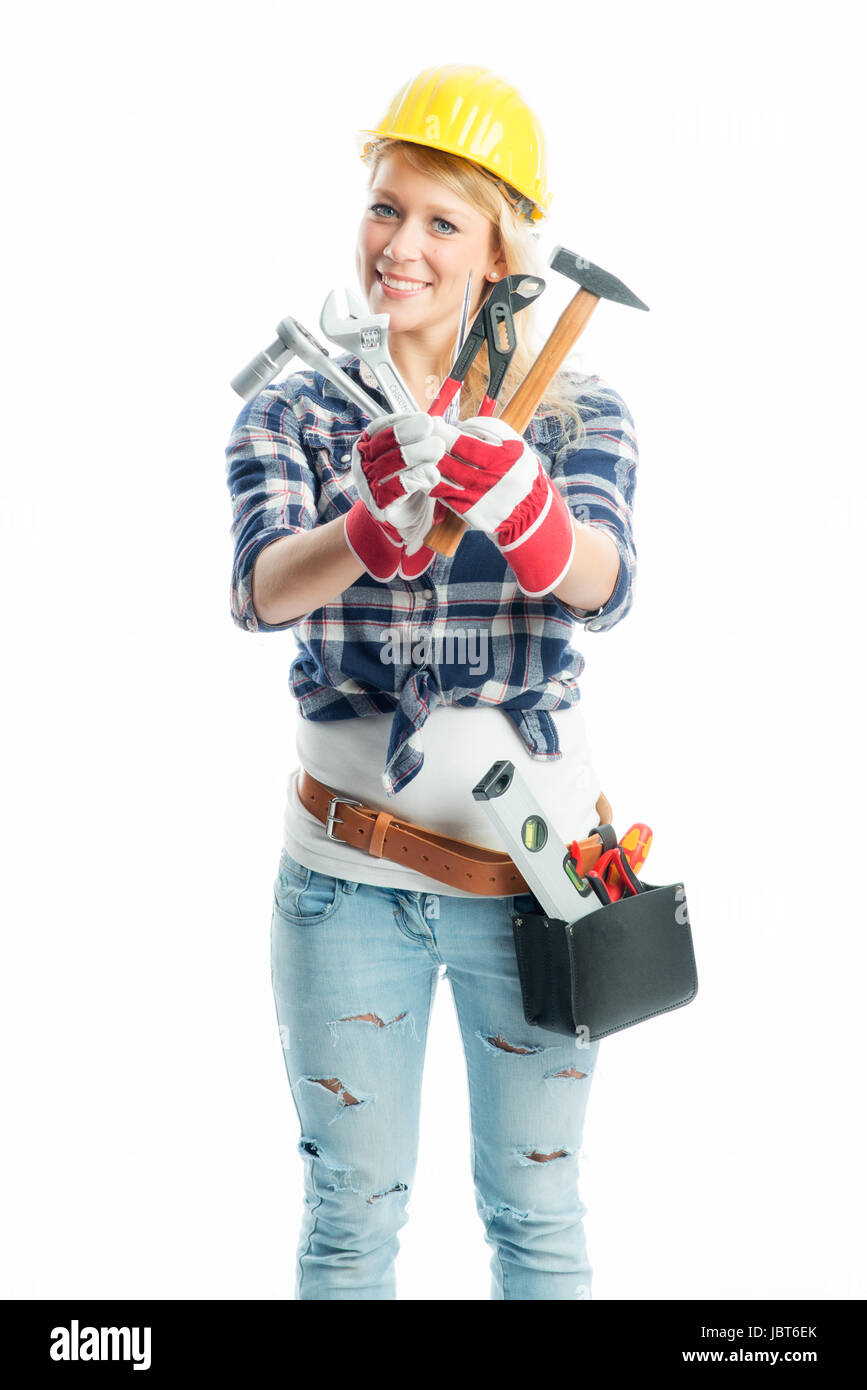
[
  {"x": 496, "y": 482},
  {"x": 394, "y": 467}
]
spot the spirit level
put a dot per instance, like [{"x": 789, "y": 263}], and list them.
[{"x": 542, "y": 857}]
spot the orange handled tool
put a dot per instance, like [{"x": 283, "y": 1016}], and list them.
[
  {"x": 619, "y": 867},
  {"x": 635, "y": 847}
]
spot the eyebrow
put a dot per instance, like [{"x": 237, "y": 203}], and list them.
[{"x": 432, "y": 207}]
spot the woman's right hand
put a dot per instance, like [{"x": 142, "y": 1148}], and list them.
[
  {"x": 398, "y": 454},
  {"x": 381, "y": 548},
  {"x": 394, "y": 467}
]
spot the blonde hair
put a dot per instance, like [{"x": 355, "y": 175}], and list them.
[{"x": 493, "y": 199}]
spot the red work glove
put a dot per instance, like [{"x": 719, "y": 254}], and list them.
[
  {"x": 394, "y": 466},
  {"x": 495, "y": 481},
  {"x": 381, "y": 548}
]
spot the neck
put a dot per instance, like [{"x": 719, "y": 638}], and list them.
[{"x": 423, "y": 358}]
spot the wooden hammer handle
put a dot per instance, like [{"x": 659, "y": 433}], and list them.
[{"x": 445, "y": 537}]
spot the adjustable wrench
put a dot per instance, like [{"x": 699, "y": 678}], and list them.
[{"x": 366, "y": 335}]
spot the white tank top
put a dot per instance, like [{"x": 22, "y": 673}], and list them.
[{"x": 460, "y": 745}]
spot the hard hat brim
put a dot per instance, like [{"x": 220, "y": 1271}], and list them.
[{"x": 366, "y": 140}]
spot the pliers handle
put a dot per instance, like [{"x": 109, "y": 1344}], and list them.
[
  {"x": 612, "y": 876},
  {"x": 494, "y": 324}
]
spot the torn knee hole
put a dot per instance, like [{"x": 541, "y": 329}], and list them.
[
  {"x": 372, "y": 1018},
  {"x": 536, "y": 1157},
  {"x": 398, "y": 1187},
  {"x": 569, "y": 1071},
  {"x": 503, "y": 1209},
  {"x": 336, "y": 1176},
  {"x": 333, "y": 1084},
  {"x": 500, "y": 1041}
]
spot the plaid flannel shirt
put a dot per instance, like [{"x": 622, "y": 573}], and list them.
[{"x": 288, "y": 469}]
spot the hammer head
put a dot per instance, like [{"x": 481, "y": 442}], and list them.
[{"x": 593, "y": 278}]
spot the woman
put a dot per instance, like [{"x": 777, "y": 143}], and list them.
[{"x": 414, "y": 674}]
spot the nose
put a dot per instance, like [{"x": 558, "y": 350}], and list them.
[{"x": 403, "y": 246}]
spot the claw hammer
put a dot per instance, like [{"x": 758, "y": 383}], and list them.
[{"x": 594, "y": 284}]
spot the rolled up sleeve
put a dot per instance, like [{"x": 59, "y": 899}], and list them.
[
  {"x": 274, "y": 491},
  {"x": 597, "y": 479}
]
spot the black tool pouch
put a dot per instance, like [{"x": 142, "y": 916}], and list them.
[{"x": 614, "y": 967}]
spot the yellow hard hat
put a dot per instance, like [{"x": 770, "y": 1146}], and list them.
[{"x": 470, "y": 111}]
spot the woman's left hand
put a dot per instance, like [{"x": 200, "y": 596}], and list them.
[{"x": 494, "y": 480}]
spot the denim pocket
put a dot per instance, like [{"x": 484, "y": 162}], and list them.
[{"x": 302, "y": 894}]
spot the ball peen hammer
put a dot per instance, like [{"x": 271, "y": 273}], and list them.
[{"x": 594, "y": 284}]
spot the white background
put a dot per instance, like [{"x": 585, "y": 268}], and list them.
[{"x": 180, "y": 177}]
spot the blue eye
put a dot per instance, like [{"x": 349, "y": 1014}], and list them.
[{"x": 382, "y": 208}]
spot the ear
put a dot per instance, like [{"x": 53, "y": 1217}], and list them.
[{"x": 498, "y": 268}]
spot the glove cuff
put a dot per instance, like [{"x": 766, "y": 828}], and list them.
[
  {"x": 370, "y": 543},
  {"x": 540, "y": 558}
]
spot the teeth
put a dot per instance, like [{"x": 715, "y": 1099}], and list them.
[{"x": 402, "y": 284}]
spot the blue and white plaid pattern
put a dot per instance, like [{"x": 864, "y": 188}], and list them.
[{"x": 288, "y": 469}]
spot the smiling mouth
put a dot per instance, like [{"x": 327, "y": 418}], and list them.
[{"x": 396, "y": 282}]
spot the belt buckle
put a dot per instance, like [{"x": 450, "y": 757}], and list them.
[{"x": 332, "y": 820}]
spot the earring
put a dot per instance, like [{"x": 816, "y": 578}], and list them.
[{"x": 495, "y": 275}]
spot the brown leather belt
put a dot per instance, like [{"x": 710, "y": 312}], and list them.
[{"x": 458, "y": 863}]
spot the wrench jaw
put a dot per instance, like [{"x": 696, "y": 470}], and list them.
[
  {"x": 343, "y": 329},
  {"x": 357, "y": 308},
  {"x": 365, "y": 335}
]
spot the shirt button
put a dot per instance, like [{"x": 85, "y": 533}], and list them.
[
  {"x": 427, "y": 593},
  {"x": 344, "y": 458}
]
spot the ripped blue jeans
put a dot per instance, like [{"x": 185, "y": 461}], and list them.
[{"x": 354, "y": 970}]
